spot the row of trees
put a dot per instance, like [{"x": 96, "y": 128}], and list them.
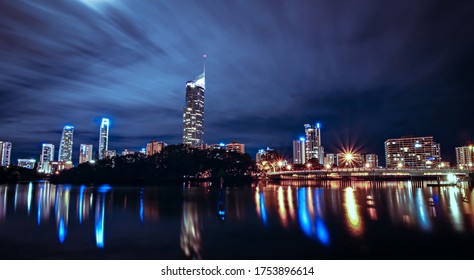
[
  {"x": 13, "y": 174},
  {"x": 174, "y": 163}
]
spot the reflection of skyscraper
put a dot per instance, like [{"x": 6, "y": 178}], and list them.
[
  {"x": 47, "y": 156},
  {"x": 85, "y": 153},
  {"x": 5, "y": 153},
  {"x": 65, "y": 147},
  {"x": 193, "y": 115},
  {"x": 104, "y": 138},
  {"x": 313, "y": 142}
]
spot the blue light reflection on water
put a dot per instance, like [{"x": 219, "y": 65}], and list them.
[
  {"x": 99, "y": 215},
  {"x": 317, "y": 230},
  {"x": 263, "y": 209}
]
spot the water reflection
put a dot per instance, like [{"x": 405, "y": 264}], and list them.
[
  {"x": 190, "y": 237},
  {"x": 319, "y": 214},
  {"x": 352, "y": 213},
  {"x": 61, "y": 210},
  {"x": 3, "y": 202},
  {"x": 100, "y": 215}
]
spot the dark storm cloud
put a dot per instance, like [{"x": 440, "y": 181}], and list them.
[{"x": 374, "y": 69}]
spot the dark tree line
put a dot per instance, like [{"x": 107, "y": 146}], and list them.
[
  {"x": 13, "y": 174},
  {"x": 174, "y": 163}
]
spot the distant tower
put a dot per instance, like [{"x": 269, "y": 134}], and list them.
[
  {"x": 85, "y": 153},
  {"x": 65, "y": 147},
  {"x": 5, "y": 153},
  {"x": 313, "y": 146},
  {"x": 193, "y": 114},
  {"x": 47, "y": 156},
  {"x": 104, "y": 138}
]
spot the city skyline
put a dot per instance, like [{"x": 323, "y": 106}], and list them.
[{"x": 367, "y": 71}]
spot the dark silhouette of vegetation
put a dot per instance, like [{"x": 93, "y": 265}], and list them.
[
  {"x": 13, "y": 174},
  {"x": 174, "y": 163}
]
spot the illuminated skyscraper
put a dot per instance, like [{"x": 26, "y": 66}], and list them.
[
  {"x": 104, "y": 138},
  {"x": 5, "y": 153},
  {"x": 193, "y": 114},
  {"x": 65, "y": 147},
  {"x": 85, "y": 153},
  {"x": 313, "y": 146},
  {"x": 299, "y": 153},
  {"x": 47, "y": 156}
]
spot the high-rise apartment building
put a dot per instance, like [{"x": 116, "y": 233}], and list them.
[
  {"x": 104, "y": 138},
  {"x": 465, "y": 156},
  {"x": 412, "y": 152},
  {"x": 65, "y": 147},
  {"x": 85, "y": 153},
  {"x": 47, "y": 156},
  {"x": 154, "y": 147},
  {"x": 193, "y": 114},
  {"x": 313, "y": 146},
  {"x": 299, "y": 151},
  {"x": 5, "y": 153}
]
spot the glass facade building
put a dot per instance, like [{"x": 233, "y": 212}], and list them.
[
  {"x": 65, "y": 147},
  {"x": 193, "y": 113},
  {"x": 104, "y": 138}
]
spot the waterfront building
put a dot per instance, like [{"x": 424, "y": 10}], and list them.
[
  {"x": 412, "y": 152},
  {"x": 65, "y": 147},
  {"x": 465, "y": 156},
  {"x": 5, "y": 153},
  {"x": 154, "y": 147},
  {"x": 329, "y": 160},
  {"x": 85, "y": 153},
  {"x": 313, "y": 147},
  {"x": 371, "y": 161},
  {"x": 193, "y": 113},
  {"x": 47, "y": 156},
  {"x": 26, "y": 163},
  {"x": 104, "y": 138},
  {"x": 299, "y": 151},
  {"x": 235, "y": 147}
]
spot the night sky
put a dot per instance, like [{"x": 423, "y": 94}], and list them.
[{"x": 366, "y": 70}]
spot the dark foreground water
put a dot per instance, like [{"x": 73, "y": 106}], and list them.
[{"x": 292, "y": 220}]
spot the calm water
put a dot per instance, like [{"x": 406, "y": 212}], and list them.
[{"x": 294, "y": 220}]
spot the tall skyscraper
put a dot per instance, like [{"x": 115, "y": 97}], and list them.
[
  {"x": 85, "y": 153},
  {"x": 412, "y": 152},
  {"x": 193, "y": 114},
  {"x": 313, "y": 146},
  {"x": 47, "y": 156},
  {"x": 299, "y": 151},
  {"x": 65, "y": 147},
  {"x": 5, "y": 153},
  {"x": 104, "y": 138}
]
